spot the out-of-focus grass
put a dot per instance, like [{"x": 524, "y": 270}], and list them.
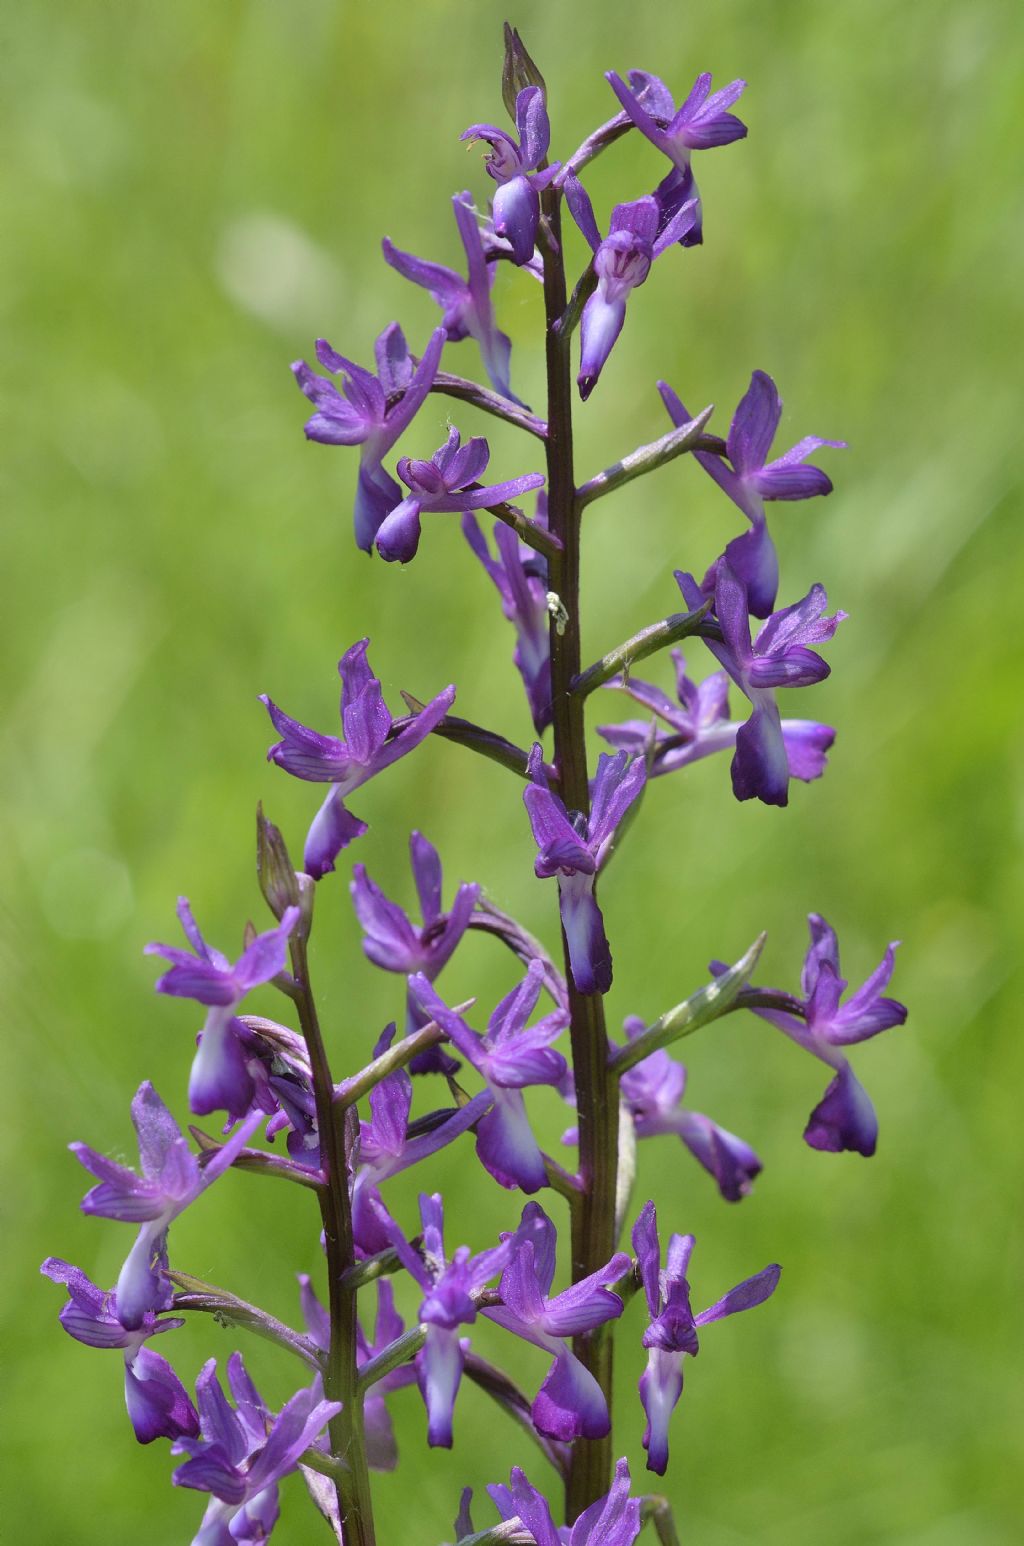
[{"x": 192, "y": 194}]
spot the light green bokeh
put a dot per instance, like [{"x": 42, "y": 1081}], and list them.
[{"x": 193, "y": 193}]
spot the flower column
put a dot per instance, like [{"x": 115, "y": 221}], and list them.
[{"x": 593, "y": 1216}]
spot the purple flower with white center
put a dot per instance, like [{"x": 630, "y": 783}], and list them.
[
  {"x": 171, "y": 1179},
  {"x": 574, "y": 847},
  {"x": 385, "y": 1147},
  {"x": 699, "y": 725},
  {"x": 845, "y": 1117},
  {"x": 749, "y": 479},
  {"x": 224, "y": 1076},
  {"x": 158, "y": 1403},
  {"x": 778, "y": 657},
  {"x": 613, "y": 1520},
  {"x": 388, "y": 1326},
  {"x": 672, "y": 1331},
  {"x": 510, "y": 1057},
  {"x": 371, "y": 411},
  {"x": 516, "y": 203},
  {"x": 653, "y": 1089},
  {"x": 702, "y": 122},
  {"x": 244, "y": 1452},
  {"x": 370, "y": 745},
  {"x": 450, "y": 1287},
  {"x": 520, "y": 577},
  {"x": 441, "y": 485},
  {"x": 465, "y": 303},
  {"x": 570, "y": 1403},
  {"x": 638, "y": 233}
]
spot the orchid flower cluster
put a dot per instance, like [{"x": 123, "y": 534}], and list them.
[{"x": 346, "y": 1137}]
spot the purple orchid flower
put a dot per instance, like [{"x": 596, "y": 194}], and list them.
[
  {"x": 570, "y": 1403},
  {"x": 516, "y": 203},
  {"x": 371, "y": 411},
  {"x": 244, "y": 1452},
  {"x": 224, "y": 1074},
  {"x": 638, "y": 233},
  {"x": 171, "y": 1179},
  {"x": 778, "y": 657},
  {"x": 385, "y": 1148},
  {"x": 158, "y": 1403},
  {"x": 520, "y": 577},
  {"x": 381, "y": 1450},
  {"x": 465, "y": 303},
  {"x": 450, "y": 1287},
  {"x": 369, "y": 747},
  {"x": 390, "y": 939},
  {"x": 574, "y": 847},
  {"x": 672, "y": 1331},
  {"x": 510, "y": 1057},
  {"x": 699, "y": 725},
  {"x": 702, "y": 122},
  {"x": 845, "y": 1117},
  {"x": 750, "y": 480},
  {"x": 393, "y": 942},
  {"x": 653, "y": 1089},
  {"x": 441, "y": 485},
  {"x": 613, "y": 1520}
]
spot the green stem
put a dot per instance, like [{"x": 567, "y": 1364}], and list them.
[
  {"x": 688, "y": 437},
  {"x": 593, "y": 1219},
  {"x": 655, "y": 637},
  {"x": 352, "y": 1482}
]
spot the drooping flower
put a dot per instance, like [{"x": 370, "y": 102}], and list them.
[
  {"x": 613, "y": 1520},
  {"x": 450, "y": 1287},
  {"x": 672, "y": 1330},
  {"x": 244, "y": 1452},
  {"x": 845, "y": 1117},
  {"x": 225, "y": 1075},
  {"x": 385, "y": 1147},
  {"x": 653, "y": 1090},
  {"x": 368, "y": 748},
  {"x": 447, "y": 482},
  {"x": 371, "y": 411},
  {"x": 699, "y": 725},
  {"x": 516, "y": 203},
  {"x": 510, "y": 1057},
  {"x": 520, "y": 576},
  {"x": 171, "y": 1179},
  {"x": 388, "y": 1326},
  {"x": 700, "y": 123},
  {"x": 465, "y": 303},
  {"x": 570, "y": 1403},
  {"x": 749, "y": 479},
  {"x": 158, "y": 1403},
  {"x": 638, "y": 233},
  {"x": 778, "y": 657},
  {"x": 574, "y": 847}
]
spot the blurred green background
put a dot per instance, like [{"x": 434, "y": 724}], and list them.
[{"x": 193, "y": 193}]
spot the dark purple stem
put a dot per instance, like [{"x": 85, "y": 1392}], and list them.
[{"x": 593, "y": 1219}]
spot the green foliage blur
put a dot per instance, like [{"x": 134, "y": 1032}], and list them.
[{"x": 192, "y": 194}]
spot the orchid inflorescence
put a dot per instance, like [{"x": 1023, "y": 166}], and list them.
[{"x": 345, "y": 1138}]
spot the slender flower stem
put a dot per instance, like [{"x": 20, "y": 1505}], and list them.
[
  {"x": 403, "y": 1350},
  {"x": 527, "y": 531},
  {"x": 261, "y": 1163},
  {"x": 394, "y": 1058},
  {"x": 372, "y": 1267},
  {"x": 681, "y": 625},
  {"x": 465, "y": 733},
  {"x": 229, "y": 1310},
  {"x": 593, "y": 1220},
  {"x": 340, "y": 1374},
  {"x": 688, "y": 437},
  {"x": 657, "y": 1511},
  {"x": 504, "y": 1391},
  {"x": 489, "y": 402}
]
